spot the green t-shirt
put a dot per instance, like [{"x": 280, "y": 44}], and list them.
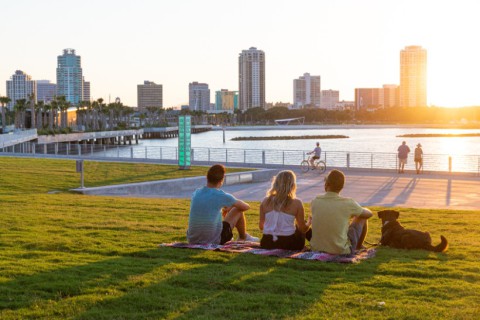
[{"x": 331, "y": 215}]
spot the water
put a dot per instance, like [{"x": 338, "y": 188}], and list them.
[{"x": 363, "y": 139}]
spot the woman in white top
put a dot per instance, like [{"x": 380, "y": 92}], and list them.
[{"x": 282, "y": 217}]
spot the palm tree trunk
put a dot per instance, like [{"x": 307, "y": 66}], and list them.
[{"x": 4, "y": 119}]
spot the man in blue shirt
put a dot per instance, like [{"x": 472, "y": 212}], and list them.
[
  {"x": 403, "y": 152},
  {"x": 208, "y": 205}
]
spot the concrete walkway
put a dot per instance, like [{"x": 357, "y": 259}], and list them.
[{"x": 381, "y": 189}]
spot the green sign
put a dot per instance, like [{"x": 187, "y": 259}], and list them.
[{"x": 184, "y": 142}]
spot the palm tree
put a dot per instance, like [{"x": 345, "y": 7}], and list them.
[
  {"x": 31, "y": 103},
  {"x": 53, "y": 115},
  {"x": 20, "y": 107},
  {"x": 4, "y": 101},
  {"x": 38, "y": 113},
  {"x": 47, "y": 109},
  {"x": 63, "y": 106}
]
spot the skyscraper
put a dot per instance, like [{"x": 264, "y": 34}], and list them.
[
  {"x": 413, "y": 77},
  {"x": 306, "y": 91},
  {"x": 149, "y": 94},
  {"x": 251, "y": 79},
  {"x": 46, "y": 90},
  {"x": 69, "y": 76},
  {"x": 198, "y": 96},
  {"x": 20, "y": 86}
]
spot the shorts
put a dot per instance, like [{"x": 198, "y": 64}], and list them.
[
  {"x": 315, "y": 158},
  {"x": 419, "y": 160},
  {"x": 295, "y": 241},
  {"x": 402, "y": 161},
  {"x": 227, "y": 233}
]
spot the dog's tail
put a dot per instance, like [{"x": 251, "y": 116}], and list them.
[{"x": 442, "y": 247}]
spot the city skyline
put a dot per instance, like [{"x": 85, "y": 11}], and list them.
[{"x": 351, "y": 44}]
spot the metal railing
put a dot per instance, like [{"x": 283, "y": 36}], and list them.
[{"x": 252, "y": 157}]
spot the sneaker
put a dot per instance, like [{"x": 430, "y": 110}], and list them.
[{"x": 249, "y": 238}]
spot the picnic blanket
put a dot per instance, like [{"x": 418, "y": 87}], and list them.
[{"x": 254, "y": 248}]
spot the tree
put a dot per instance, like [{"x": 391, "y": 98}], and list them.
[
  {"x": 31, "y": 103},
  {"x": 53, "y": 115},
  {"x": 38, "y": 113},
  {"x": 20, "y": 107},
  {"x": 4, "y": 101}
]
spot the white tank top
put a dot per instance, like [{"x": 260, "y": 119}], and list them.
[{"x": 279, "y": 223}]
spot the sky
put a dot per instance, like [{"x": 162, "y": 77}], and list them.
[{"x": 349, "y": 43}]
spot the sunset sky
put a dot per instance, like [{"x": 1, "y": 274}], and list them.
[{"x": 349, "y": 44}]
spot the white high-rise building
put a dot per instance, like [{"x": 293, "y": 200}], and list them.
[
  {"x": 251, "y": 79},
  {"x": 306, "y": 91},
  {"x": 198, "y": 96},
  {"x": 413, "y": 77},
  {"x": 20, "y": 86},
  {"x": 329, "y": 99}
]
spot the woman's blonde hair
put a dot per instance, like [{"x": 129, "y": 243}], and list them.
[{"x": 283, "y": 189}]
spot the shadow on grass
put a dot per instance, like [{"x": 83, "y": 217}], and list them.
[
  {"x": 187, "y": 283},
  {"x": 241, "y": 287},
  {"x": 107, "y": 274}
]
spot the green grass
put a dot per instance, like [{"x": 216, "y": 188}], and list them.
[{"x": 70, "y": 256}]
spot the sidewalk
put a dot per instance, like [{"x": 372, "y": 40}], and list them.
[{"x": 381, "y": 189}]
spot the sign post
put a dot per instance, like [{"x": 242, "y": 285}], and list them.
[
  {"x": 80, "y": 170},
  {"x": 184, "y": 142}
]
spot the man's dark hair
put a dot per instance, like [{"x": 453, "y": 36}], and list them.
[
  {"x": 216, "y": 173},
  {"x": 335, "y": 180}
]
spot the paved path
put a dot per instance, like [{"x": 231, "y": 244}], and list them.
[{"x": 382, "y": 189}]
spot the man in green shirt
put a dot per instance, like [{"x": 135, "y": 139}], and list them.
[{"x": 332, "y": 231}]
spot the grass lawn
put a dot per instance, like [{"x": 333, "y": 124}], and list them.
[{"x": 71, "y": 256}]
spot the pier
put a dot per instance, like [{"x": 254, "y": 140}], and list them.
[{"x": 171, "y": 132}]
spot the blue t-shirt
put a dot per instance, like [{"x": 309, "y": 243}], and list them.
[{"x": 205, "y": 220}]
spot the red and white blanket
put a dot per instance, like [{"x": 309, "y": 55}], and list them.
[{"x": 254, "y": 248}]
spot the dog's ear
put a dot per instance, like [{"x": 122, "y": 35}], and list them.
[
  {"x": 381, "y": 214},
  {"x": 397, "y": 214}
]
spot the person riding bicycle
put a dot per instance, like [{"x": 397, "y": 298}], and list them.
[{"x": 318, "y": 152}]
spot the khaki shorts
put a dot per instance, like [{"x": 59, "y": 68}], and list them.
[{"x": 402, "y": 161}]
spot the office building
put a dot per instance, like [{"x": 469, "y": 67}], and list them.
[
  {"x": 198, "y": 96},
  {"x": 226, "y": 100},
  {"x": 46, "y": 90},
  {"x": 413, "y": 77},
  {"x": 251, "y": 79},
  {"x": 391, "y": 94},
  {"x": 149, "y": 94},
  {"x": 368, "y": 98},
  {"x": 329, "y": 98},
  {"x": 375, "y": 98},
  {"x": 86, "y": 91},
  {"x": 70, "y": 77},
  {"x": 306, "y": 91},
  {"x": 20, "y": 86}
]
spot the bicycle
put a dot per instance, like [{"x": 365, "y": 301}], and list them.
[{"x": 318, "y": 164}]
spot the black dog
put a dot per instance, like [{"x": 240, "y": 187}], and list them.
[{"x": 396, "y": 236}]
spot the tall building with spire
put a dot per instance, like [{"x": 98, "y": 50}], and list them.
[
  {"x": 413, "y": 77},
  {"x": 20, "y": 86},
  {"x": 70, "y": 76},
  {"x": 251, "y": 79}
]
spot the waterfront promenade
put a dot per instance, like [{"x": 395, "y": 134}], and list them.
[{"x": 442, "y": 191}]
